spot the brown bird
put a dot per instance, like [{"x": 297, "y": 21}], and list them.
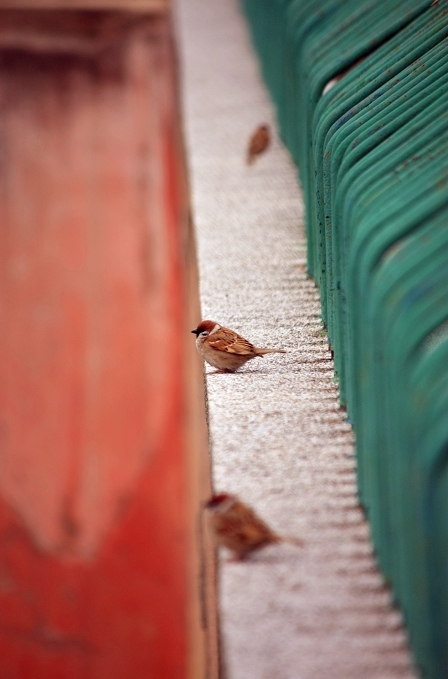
[
  {"x": 258, "y": 143},
  {"x": 224, "y": 348},
  {"x": 236, "y": 526}
]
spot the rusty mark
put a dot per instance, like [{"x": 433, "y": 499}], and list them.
[
  {"x": 69, "y": 525},
  {"x": 50, "y": 639}
]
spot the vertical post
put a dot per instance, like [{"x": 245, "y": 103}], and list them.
[{"x": 99, "y": 494}]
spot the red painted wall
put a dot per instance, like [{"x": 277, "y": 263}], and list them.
[{"x": 95, "y": 506}]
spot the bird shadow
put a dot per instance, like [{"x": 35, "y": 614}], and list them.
[
  {"x": 240, "y": 373},
  {"x": 262, "y": 559}
]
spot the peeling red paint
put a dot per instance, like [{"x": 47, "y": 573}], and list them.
[{"x": 93, "y": 536}]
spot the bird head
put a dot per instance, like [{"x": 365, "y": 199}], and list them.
[
  {"x": 219, "y": 501},
  {"x": 205, "y": 328}
]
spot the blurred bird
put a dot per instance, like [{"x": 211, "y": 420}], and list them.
[
  {"x": 236, "y": 526},
  {"x": 258, "y": 143},
  {"x": 224, "y": 348}
]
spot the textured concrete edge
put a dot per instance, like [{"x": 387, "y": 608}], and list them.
[{"x": 335, "y": 520}]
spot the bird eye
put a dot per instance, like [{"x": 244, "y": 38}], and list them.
[{"x": 204, "y": 333}]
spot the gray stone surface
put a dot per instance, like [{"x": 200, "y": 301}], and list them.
[{"x": 278, "y": 436}]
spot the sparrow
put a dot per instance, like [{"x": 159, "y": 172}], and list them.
[
  {"x": 236, "y": 526},
  {"x": 225, "y": 349},
  {"x": 258, "y": 143}
]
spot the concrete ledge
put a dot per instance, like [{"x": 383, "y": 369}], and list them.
[{"x": 279, "y": 438}]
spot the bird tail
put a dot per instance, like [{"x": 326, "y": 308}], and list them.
[{"x": 261, "y": 352}]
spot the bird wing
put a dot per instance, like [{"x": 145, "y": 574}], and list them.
[
  {"x": 230, "y": 342},
  {"x": 258, "y": 142},
  {"x": 243, "y": 525}
]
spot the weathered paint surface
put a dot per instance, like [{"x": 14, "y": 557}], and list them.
[{"x": 94, "y": 504}]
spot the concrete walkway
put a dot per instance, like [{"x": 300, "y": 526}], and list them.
[{"x": 278, "y": 436}]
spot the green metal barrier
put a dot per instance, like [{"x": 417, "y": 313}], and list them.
[{"x": 372, "y": 154}]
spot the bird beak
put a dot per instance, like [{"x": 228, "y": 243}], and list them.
[{"x": 195, "y": 332}]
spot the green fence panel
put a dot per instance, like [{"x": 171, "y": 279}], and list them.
[{"x": 361, "y": 90}]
